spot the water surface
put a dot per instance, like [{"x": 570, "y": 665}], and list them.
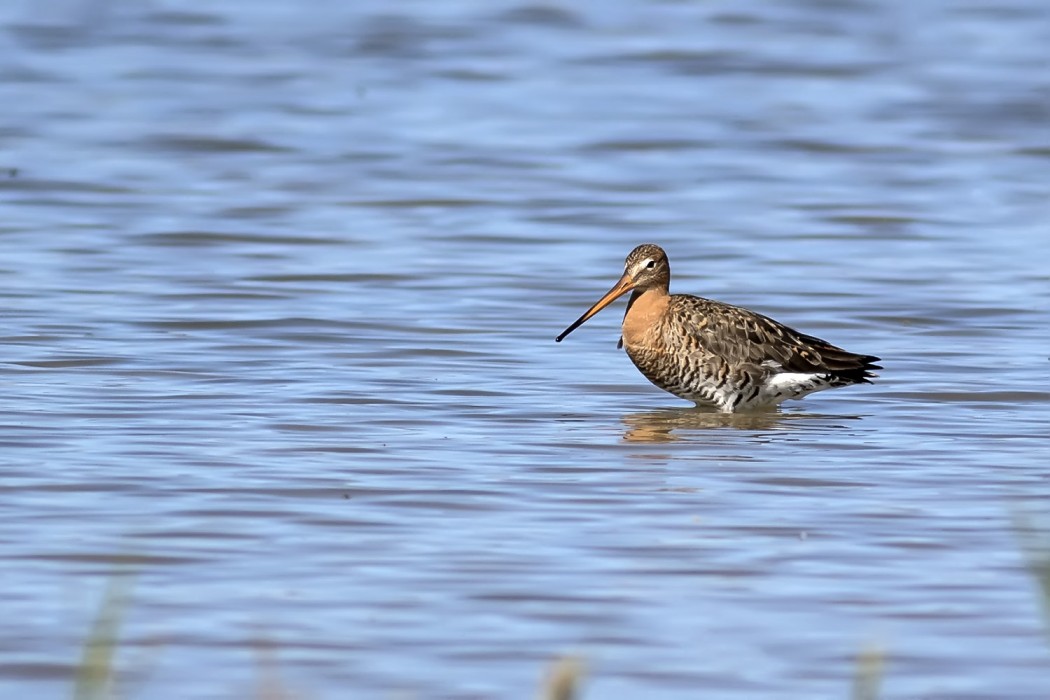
[{"x": 280, "y": 288}]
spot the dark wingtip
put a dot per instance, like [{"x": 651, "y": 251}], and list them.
[{"x": 862, "y": 372}]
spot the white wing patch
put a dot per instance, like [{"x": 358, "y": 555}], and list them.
[
  {"x": 793, "y": 383},
  {"x": 781, "y": 385}
]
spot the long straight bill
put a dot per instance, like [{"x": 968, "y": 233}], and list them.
[{"x": 625, "y": 285}]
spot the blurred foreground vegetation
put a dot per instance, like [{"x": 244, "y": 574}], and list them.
[{"x": 96, "y": 677}]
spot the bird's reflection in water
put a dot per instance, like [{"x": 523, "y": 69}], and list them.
[{"x": 674, "y": 424}]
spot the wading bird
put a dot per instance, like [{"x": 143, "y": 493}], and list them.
[{"x": 716, "y": 354}]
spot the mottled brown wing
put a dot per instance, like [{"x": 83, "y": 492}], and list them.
[{"x": 742, "y": 337}]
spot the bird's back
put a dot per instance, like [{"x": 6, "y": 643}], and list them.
[{"x": 715, "y": 353}]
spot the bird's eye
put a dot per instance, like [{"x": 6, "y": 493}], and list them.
[{"x": 650, "y": 265}]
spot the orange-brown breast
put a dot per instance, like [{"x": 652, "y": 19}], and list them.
[{"x": 642, "y": 320}]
